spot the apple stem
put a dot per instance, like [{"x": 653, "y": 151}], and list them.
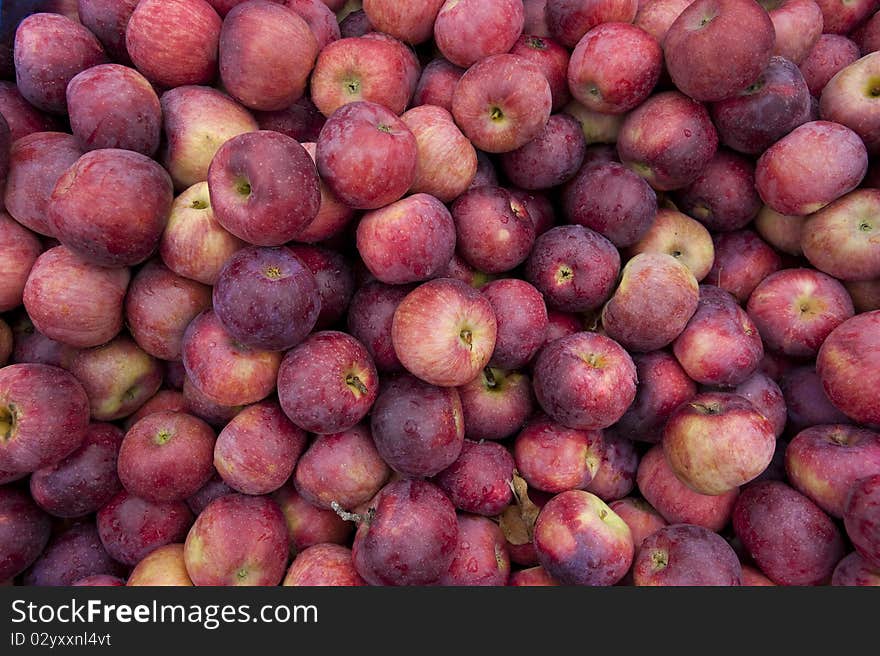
[
  {"x": 350, "y": 516},
  {"x": 490, "y": 377}
]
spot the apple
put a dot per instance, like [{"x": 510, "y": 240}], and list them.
[
  {"x": 36, "y": 161},
  {"x": 855, "y": 570},
  {"x": 677, "y": 502},
  {"x": 767, "y": 397},
  {"x": 72, "y": 554},
  {"x": 213, "y": 489},
  {"x": 355, "y": 23},
  {"x": 860, "y": 518},
  {"x": 224, "y": 370},
  {"x": 496, "y": 404},
  {"x": 656, "y": 297},
  {"x": 320, "y": 19},
  {"x": 720, "y": 344},
  {"x": 301, "y": 120},
  {"x": 112, "y": 106},
  {"x": 479, "y": 481},
  {"x": 574, "y": 267},
  {"x": 194, "y": 245},
  {"x": 164, "y": 400},
  {"x": 522, "y": 320},
  {"x": 22, "y": 117},
  {"x": 598, "y": 128},
  {"x": 539, "y": 208},
  {"x": 553, "y": 60},
  {"x": 107, "y": 20},
  {"x": 383, "y": 146},
  {"x": 341, "y": 470},
  {"x": 131, "y": 527},
  {"x": 614, "y": 68},
  {"x": 174, "y": 42},
  {"x": 412, "y": 22},
  {"x": 682, "y": 142},
  {"x": 656, "y": 16},
  {"x": 531, "y": 576},
  {"x": 30, "y": 345},
  {"x": 481, "y": 558},
  {"x": 323, "y": 565},
  {"x": 110, "y": 207},
  {"x": 641, "y": 518},
  {"x": 444, "y": 332},
  {"x": 50, "y": 49},
  {"x": 798, "y": 24},
  {"x": 663, "y": 386},
  {"x": 335, "y": 278},
  {"x": 849, "y": 366},
  {"x": 831, "y": 54},
  {"x": 502, "y": 102},
  {"x": 782, "y": 231},
  {"x": 24, "y": 531},
  {"x": 552, "y": 158},
  {"x": 840, "y": 17},
  {"x": 569, "y": 20},
  {"x": 486, "y": 172},
  {"x": 466, "y": 31},
  {"x": 686, "y": 555},
  {"x": 865, "y": 294},
  {"x": 328, "y": 383},
  {"x": 410, "y": 240},
  {"x": 788, "y": 536},
  {"x": 680, "y": 236},
  {"x": 333, "y": 215},
  {"x": 742, "y": 261},
  {"x": 806, "y": 400},
  {"x": 436, "y": 84},
  {"x": 370, "y": 316},
  {"x": 585, "y": 381},
  {"x": 238, "y": 540},
  {"x": 447, "y": 161},
  {"x": 581, "y": 541},
  {"x": 21, "y": 249},
  {"x": 164, "y": 566},
  {"x": 553, "y": 458},
  {"x": 308, "y": 525},
  {"x": 417, "y": 427},
  {"x": 716, "y": 48},
  {"x": 776, "y": 103}
]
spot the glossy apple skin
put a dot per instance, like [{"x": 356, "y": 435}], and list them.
[
  {"x": 224, "y": 370},
  {"x": 614, "y": 84},
  {"x": 742, "y": 261},
  {"x": 162, "y": 567},
  {"x": 501, "y": 103},
  {"x": 853, "y": 570},
  {"x": 782, "y": 231},
  {"x": 412, "y": 538},
  {"x": 763, "y": 393},
  {"x": 683, "y": 140},
  {"x": 678, "y": 503},
  {"x": 43, "y": 416},
  {"x": 444, "y": 332},
  {"x": 616, "y": 475},
  {"x": 194, "y": 245},
  {"x": 481, "y": 558},
  {"x": 721, "y": 344},
  {"x": 35, "y": 163},
  {"x": 718, "y": 441},
  {"x": 848, "y": 99},
  {"x": 238, "y": 540},
  {"x": 496, "y": 404},
  {"x": 198, "y": 120},
  {"x": 825, "y": 462},
  {"x": 723, "y": 196},
  {"x": 798, "y": 25},
  {"x": 812, "y": 166},
  {"x": 264, "y": 187},
  {"x": 49, "y": 50},
  {"x": 412, "y": 22},
  {"x": 656, "y": 297},
  {"x": 71, "y": 555},
  {"x": 840, "y": 18},
  {"x": 21, "y": 117},
  {"x": 612, "y": 200},
  {"x": 553, "y": 60},
  {"x": 323, "y": 565},
  {"x": 467, "y": 31},
  {"x": 253, "y": 70},
  {"x": 522, "y": 321},
  {"x": 203, "y": 407},
  {"x": 410, "y": 240},
  {"x": 796, "y": 309},
  {"x": 111, "y": 206},
  {"x": 552, "y": 158},
  {"x": 24, "y": 531},
  {"x": 574, "y": 267},
  {"x": 716, "y": 48},
  {"x": 860, "y": 518},
  {"x": 531, "y": 576},
  {"x": 328, "y": 383},
  {"x": 686, "y": 555},
  {"x": 174, "y": 43},
  {"x": 335, "y": 278},
  {"x": 370, "y": 317},
  {"x": 754, "y": 119},
  {"x": 301, "y": 120},
  {"x": 788, "y": 536},
  {"x": 107, "y": 20},
  {"x": 641, "y": 518},
  {"x": 447, "y": 161},
  {"x": 831, "y": 54},
  {"x": 165, "y": 399},
  {"x": 418, "y": 428},
  {"x": 85, "y": 480},
  {"x": 479, "y": 479},
  {"x": 581, "y": 541},
  {"x": 112, "y": 106},
  {"x": 682, "y": 237},
  {"x": 21, "y": 249},
  {"x": 849, "y": 367},
  {"x": 437, "y": 84},
  {"x": 131, "y": 527},
  {"x": 585, "y": 381},
  {"x": 308, "y": 525},
  {"x": 267, "y": 298},
  {"x": 806, "y": 400},
  {"x": 569, "y": 20},
  {"x": 841, "y": 238},
  {"x": 367, "y": 155},
  {"x": 554, "y": 458}
]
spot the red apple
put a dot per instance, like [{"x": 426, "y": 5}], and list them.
[
  {"x": 854, "y": 570},
  {"x": 72, "y": 554},
  {"x": 308, "y": 525},
  {"x": 21, "y": 249},
  {"x": 466, "y": 31},
  {"x": 569, "y": 20},
  {"x": 107, "y": 20},
  {"x": 686, "y": 555},
  {"x": 553, "y": 60},
  {"x": 24, "y": 531},
  {"x": 323, "y": 565},
  {"x": 479, "y": 481},
  {"x": 742, "y": 261},
  {"x": 481, "y": 558},
  {"x": 552, "y": 158},
  {"x": 832, "y": 53},
  {"x": 767, "y": 397},
  {"x": 320, "y": 19},
  {"x": 860, "y": 518},
  {"x": 496, "y": 404},
  {"x": 370, "y": 317},
  {"x": 798, "y": 25},
  {"x": 164, "y": 566},
  {"x": 22, "y": 117},
  {"x": 553, "y": 458},
  {"x": 680, "y": 236},
  {"x": 436, "y": 84}
]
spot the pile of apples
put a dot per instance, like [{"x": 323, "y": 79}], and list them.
[{"x": 462, "y": 292}]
